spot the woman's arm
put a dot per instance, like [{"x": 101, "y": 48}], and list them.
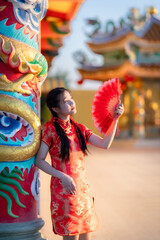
[
  {"x": 40, "y": 162},
  {"x": 108, "y": 139},
  {"x": 103, "y": 142}
]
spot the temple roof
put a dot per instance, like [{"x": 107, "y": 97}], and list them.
[
  {"x": 132, "y": 48},
  {"x": 56, "y": 25},
  {"x": 107, "y": 72},
  {"x": 149, "y": 32},
  {"x": 63, "y": 9}
]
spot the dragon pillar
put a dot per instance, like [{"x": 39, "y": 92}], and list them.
[{"x": 22, "y": 70}]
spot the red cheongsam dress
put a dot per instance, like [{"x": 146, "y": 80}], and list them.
[{"x": 71, "y": 214}]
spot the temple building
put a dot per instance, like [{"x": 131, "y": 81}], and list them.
[{"x": 131, "y": 52}]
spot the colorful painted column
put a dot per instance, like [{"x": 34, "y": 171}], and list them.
[{"x": 22, "y": 70}]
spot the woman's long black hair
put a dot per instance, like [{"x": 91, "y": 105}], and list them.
[{"x": 53, "y": 99}]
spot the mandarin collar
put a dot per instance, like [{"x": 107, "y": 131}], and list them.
[{"x": 62, "y": 122}]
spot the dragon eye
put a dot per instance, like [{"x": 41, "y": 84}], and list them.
[{"x": 9, "y": 126}]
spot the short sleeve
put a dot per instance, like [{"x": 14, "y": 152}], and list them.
[
  {"x": 47, "y": 135},
  {"x": 85, "y": 131}
]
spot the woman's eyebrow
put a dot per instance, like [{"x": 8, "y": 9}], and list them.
[{"x": 66, "y": 98}]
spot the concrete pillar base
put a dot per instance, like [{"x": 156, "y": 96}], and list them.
[{"x": 22, "y": 231}]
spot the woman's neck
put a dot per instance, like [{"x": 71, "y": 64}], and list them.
[{"x": 64, "y": 118}]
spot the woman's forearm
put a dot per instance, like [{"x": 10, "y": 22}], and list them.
[
  {"x": 103, "y": 142},
  {"x": 47, "y": 168},
  {"x": 108, "y": 139}
]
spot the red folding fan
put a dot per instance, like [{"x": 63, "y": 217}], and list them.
[{"x": 104, "y": 104}]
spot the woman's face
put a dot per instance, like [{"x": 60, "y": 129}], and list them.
[{"x": 67, "y": 105}]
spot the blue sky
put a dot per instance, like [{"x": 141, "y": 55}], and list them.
[{"x": 104, "y": 10}]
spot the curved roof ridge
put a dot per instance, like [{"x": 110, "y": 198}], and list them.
[
  {"x": 104, "y": 37},
  {"x": 147, "y": 26}
]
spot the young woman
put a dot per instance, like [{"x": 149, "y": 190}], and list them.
[{"x": 72, "y": 207}]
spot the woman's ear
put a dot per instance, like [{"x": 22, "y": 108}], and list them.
[{"x": 55, "y": 109}]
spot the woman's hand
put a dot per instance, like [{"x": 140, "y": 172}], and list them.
[
  {"x": 68, "y": 183},
  {"x": 119, "y": 110}
]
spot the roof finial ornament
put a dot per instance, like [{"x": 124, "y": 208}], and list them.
[{"x": 152, "y": 11}]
